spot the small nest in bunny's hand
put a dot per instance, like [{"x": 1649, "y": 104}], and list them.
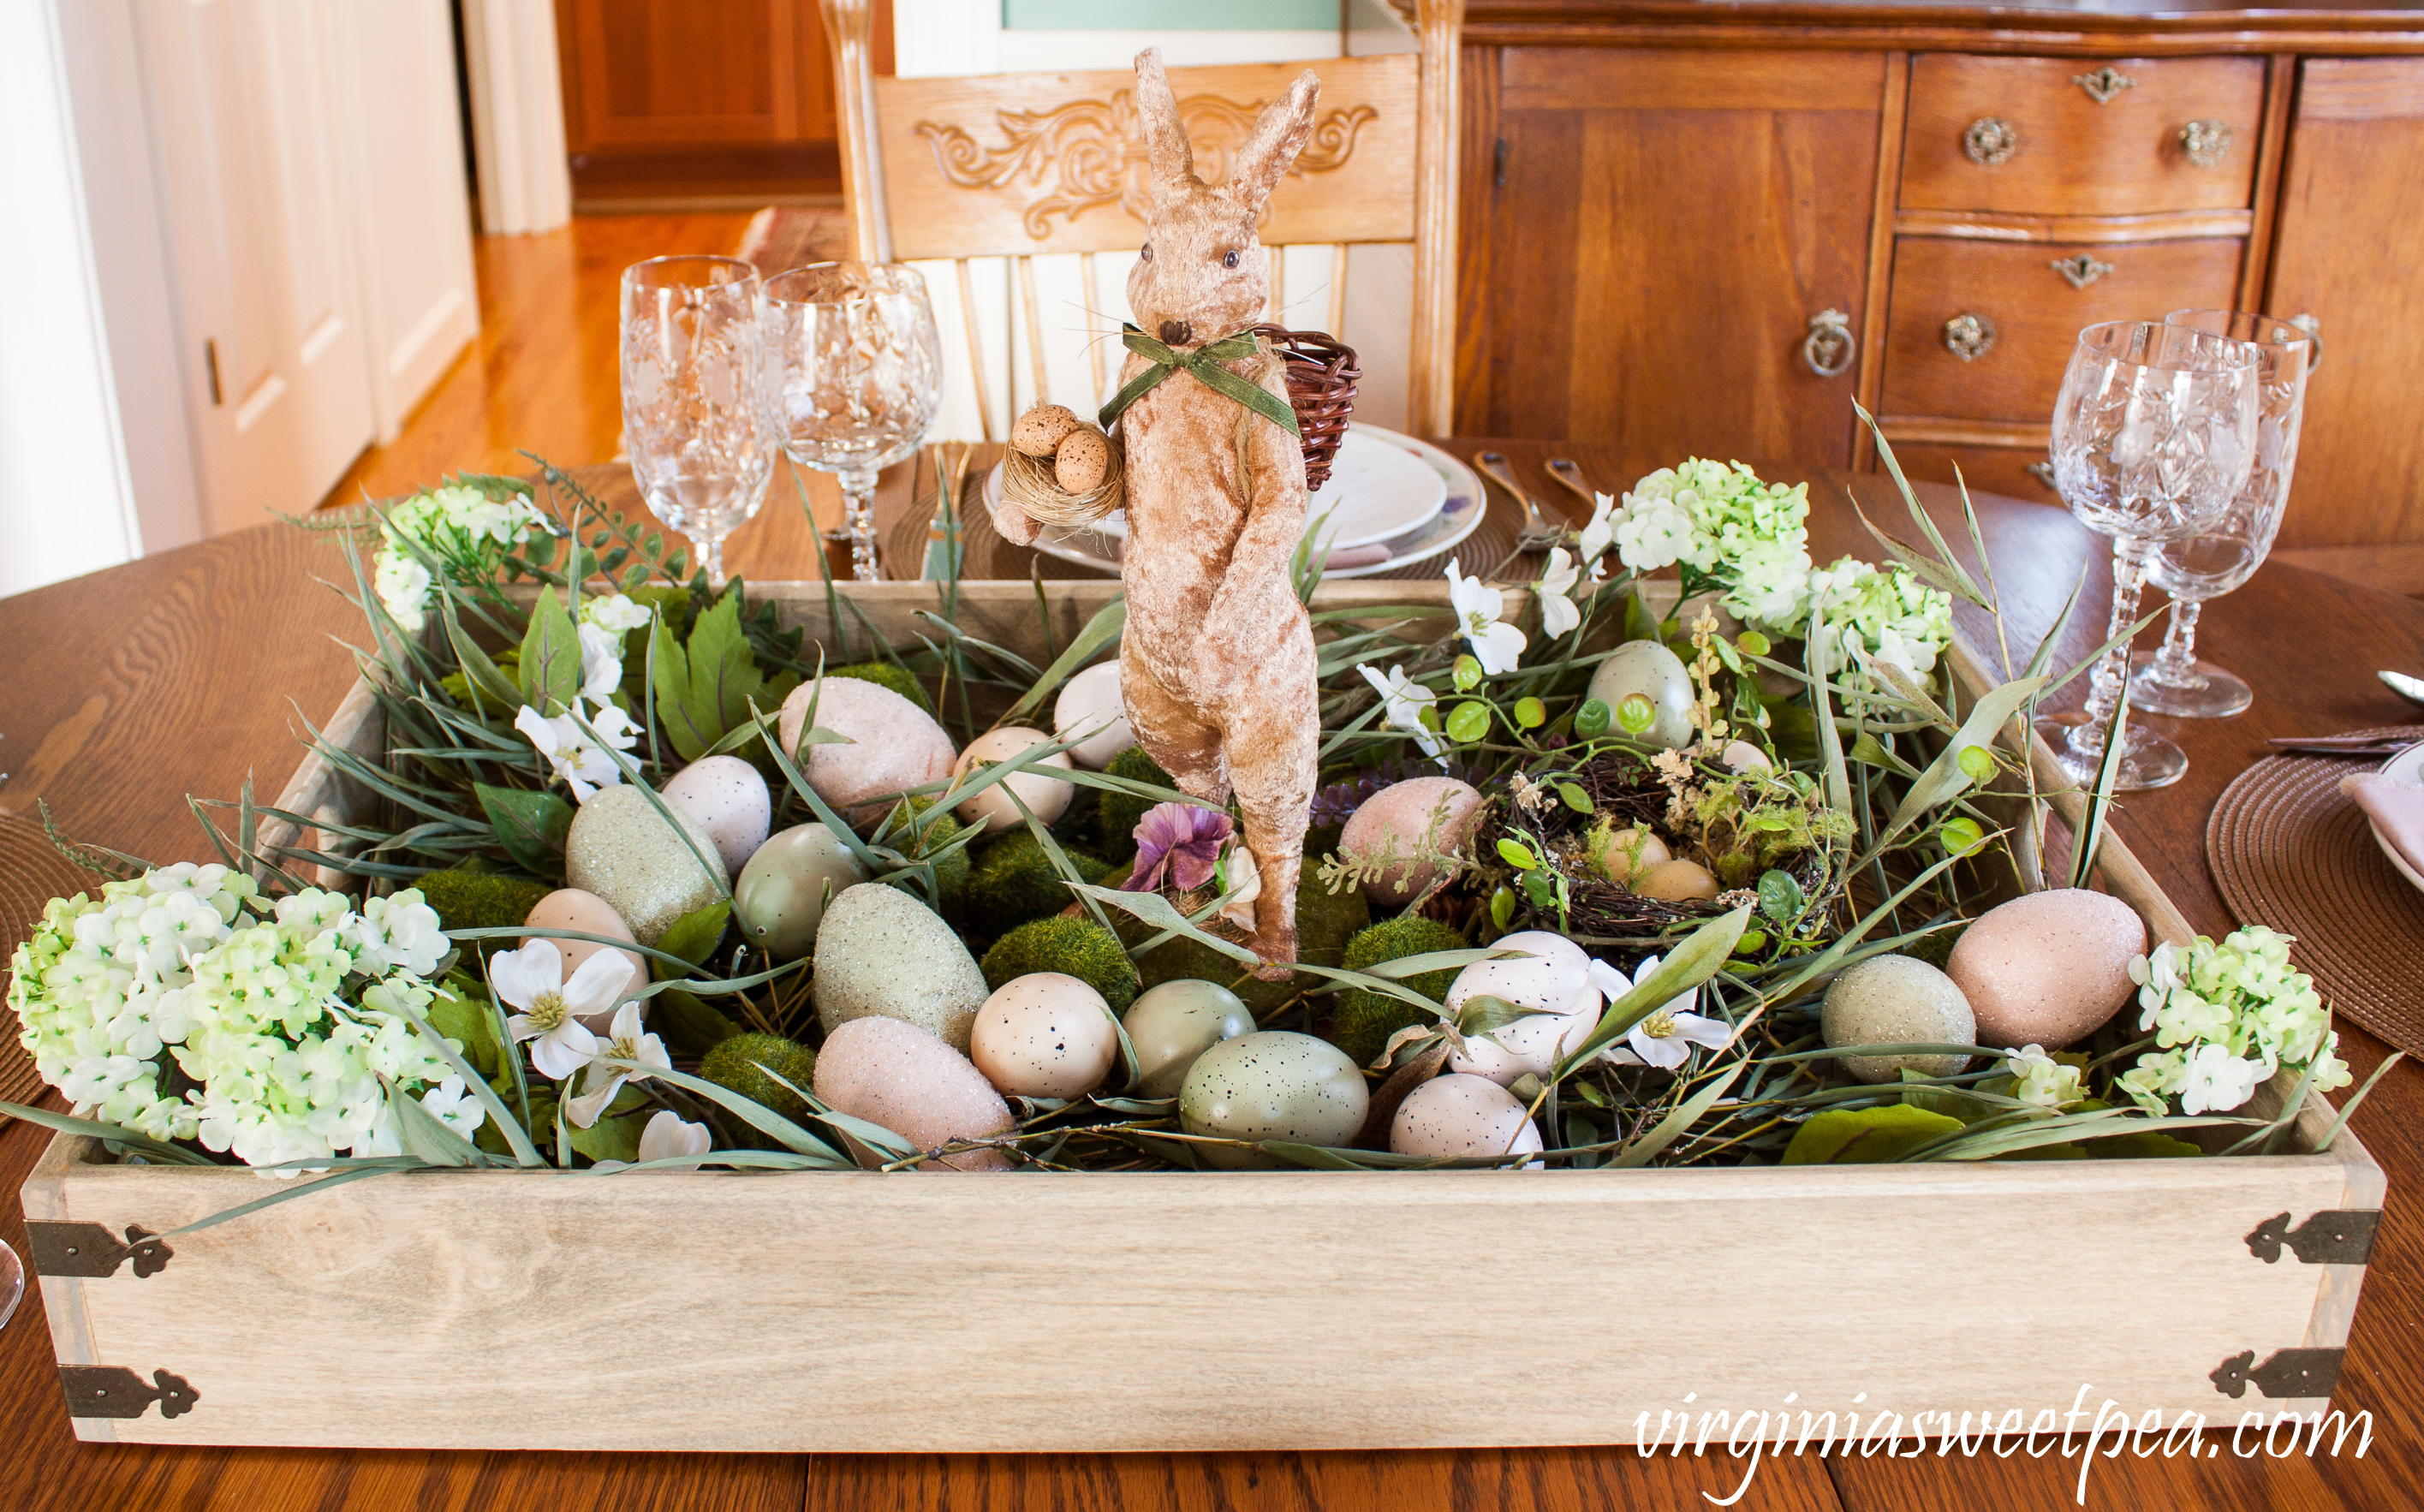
[{"x": 1028, "y": 483}]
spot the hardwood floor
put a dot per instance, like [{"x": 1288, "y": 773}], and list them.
[{"x": 543, "y": 377}]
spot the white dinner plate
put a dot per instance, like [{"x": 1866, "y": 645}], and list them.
[
  {"x": 2406, "y": 768},
  {"x": 1455, "y": 509}
]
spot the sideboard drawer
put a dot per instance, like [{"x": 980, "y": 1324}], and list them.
[
  {"x": 1986, "y": 469},
  {"x": 2030, "y": 135},
  {"x": 1981, "y": 330}
]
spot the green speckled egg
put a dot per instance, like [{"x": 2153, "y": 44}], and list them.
[
  {"x": 780, "y": 898},
  {"x": 1174, "y": 1023},
  {"x": 1271, "y": 1085},
  {"x": 1897, "y": 1000},
  {"x": 621, "y": 849},
  {"x": 1647, "y": 668}
]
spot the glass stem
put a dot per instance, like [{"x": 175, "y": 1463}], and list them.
[
  {"x": 858, "y": 516},
  {"x": 2175, "y": 665},
  {"x": 2109, "y": 683},
  {"x": 710, "y": 556}
]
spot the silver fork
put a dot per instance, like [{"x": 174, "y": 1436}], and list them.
[{"x": 1537, "y": 531}]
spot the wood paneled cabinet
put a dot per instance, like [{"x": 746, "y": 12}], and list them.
[{"x": 1707, "y": 235}]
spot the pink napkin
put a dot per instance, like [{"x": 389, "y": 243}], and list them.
[{"x": 2397, "y": 810}]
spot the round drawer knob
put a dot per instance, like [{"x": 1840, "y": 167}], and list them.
[
  {"x": 1990, "y": 141},
  {"x": 1969, "y": 337},
  {"x": 2206, "y": 142},
  {"x": 1829, "y": 347},
  {"x": 2314, "y": 329},
  {"x": 2042, "y": 473}
]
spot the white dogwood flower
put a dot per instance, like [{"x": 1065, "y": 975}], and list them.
[
  {"x": 1402, "y": 702},
  {"x": 532, "y": 980},
  {"x": 1496, "y": 644},
  {"x": 1557, "y": 612},
  {"x": 1663, "y": 1037},
  {"x": 1599, "y": 534},
  {"x": 624, "y": 1041},
  {"x": 668, "y": 1135},
  {"x": 580, "y": 762}
]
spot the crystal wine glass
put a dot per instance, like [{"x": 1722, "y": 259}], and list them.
[
  {"x": 2154, "y": 434},
  {"x": 12, "y": 1283},
  {"x": 2198, "y": 567},
  {"x": 694, "y": 361},
  {"x": 854, "y": 378}
]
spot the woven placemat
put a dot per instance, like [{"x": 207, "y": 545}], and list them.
[
  {"x": 2289, "y": 851},
  {"x": 987, "y": 555},
  {"x": 31, "y": 875}
]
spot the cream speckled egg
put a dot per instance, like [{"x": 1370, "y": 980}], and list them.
[
  {"x": 1554, "y": 978},
  {"x": 2048, "y": 968},
  {"x": 569, "y": 908},
  {"x": 1272, "y": 1084},
  {"x": 1175, "y": 1022},
  {"x": 1676, "y": 882},
  {"x": 1044, "y": 1035},
  {"x": 1046, "y": 798},
  {"x": 1462, "y": 1115},
  {"x": 1039, "y": 431},
  {"x": 1081, "y": 461},
  {"x": 729, "y": 799},
  {"x": 1091, "y": 700}
]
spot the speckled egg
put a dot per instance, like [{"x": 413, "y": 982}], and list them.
[
  {"x": 1554, "y": 976},
  {"x": 650, "y": 872},
  {"x": 1091, "y": 700},
  {"x": 892, "y": 744},
  {"x": 1457, "y": 1116},
  {"x": 1044, "y": 1035},
  {"x": 1081, "y": 461},
  {"x": 569, "y": 908},
  {"x": 1404, "y": 820},
  {"x": 1617, "y": 851},
  {"x": 1271, "y": 1084},
  {"x": 898, "y": 1076},
  {"x": 1676, "y": 882},
  {"x": 1647, "y": 668},
  {"x": 1046, "y": 798},
  {"x": 1897, "y": 1000},
  {"x": 880, "y": 952},
  {"x": 729, "y": 799},
  {"x": 2049, "y": 968},
  {"x": 780, "y": 898},
  {"x": 1039, "y": 432},
  {"x": 1172, "y": 1023}
]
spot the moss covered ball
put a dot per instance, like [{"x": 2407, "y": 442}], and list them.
[
  {"x": 1014, "y": 879},
  {"x": 885, "y": 675},
  {"x": 1120, "y": 813},
  {"x": 480, "y": 899},
  {"x": 1366, "y": 1019},
  {"x": 1076, "y": 947},
  {"x": 734, "y": 1065}
]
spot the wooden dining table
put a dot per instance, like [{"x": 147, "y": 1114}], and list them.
[{"x": 191, "y": 671}]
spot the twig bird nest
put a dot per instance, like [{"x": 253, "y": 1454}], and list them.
[{"x": 1061, "y": 470}]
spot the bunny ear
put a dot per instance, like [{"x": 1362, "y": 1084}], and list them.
[
  {"x": 1165, "y": 139},
  {"x": 1273, "y": 144}
]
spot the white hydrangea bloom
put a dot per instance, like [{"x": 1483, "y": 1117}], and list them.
[
  {"x": 2226, "y": 1018},
  {"x": 457, "y": 525}
]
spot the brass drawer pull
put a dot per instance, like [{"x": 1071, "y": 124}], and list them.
[
  {"x": 2206, "y": 142},
  {"x": 1969, "y": 337},
  {"x": 2314, "y": 329},
  {"x": 2042, "y": 473},
  {"x": 1829, "y": 347},
  {"x": 2103, "y": 85},
  {"x": 2079, "y": 271},
  {"x": 1990, "y": 141}
]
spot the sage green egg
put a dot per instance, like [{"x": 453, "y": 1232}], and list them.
[
  {"x": 1647, "y": 668},
  {"x": 784, "y": 888},
  {"x": 1174, "y": 1023},
  {"x": 1271, "y": 1084},
  {"x": 621, "y": 849},
  {"x": 1897, "y": 1000}
]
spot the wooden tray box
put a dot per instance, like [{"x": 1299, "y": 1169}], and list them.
[{"x": 819, "y": 1312}]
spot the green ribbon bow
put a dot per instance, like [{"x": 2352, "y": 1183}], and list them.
[{"x": 1205, "y": 362}]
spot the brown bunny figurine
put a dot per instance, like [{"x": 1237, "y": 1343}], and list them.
[{"x": 1217, "y": 665}]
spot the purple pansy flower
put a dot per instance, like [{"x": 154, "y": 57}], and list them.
[{"x": 1178, "y": 843}]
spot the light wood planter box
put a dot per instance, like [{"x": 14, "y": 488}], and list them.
[{"x": 824, "y": 1311}]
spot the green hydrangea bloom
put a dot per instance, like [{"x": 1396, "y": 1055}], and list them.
[{"x": 1076, "y": 947}]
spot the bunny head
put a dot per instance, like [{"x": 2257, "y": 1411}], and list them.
[{"x": 1203, "y": 273}]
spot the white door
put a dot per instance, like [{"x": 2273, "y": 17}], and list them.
[{"x": 260, "y": 249}]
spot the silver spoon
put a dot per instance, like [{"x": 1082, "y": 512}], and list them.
[
  {"x": 1568, "y": 471},
  {"x": 2410, "y": 689},
  {"x": 1535, "y": 531},
  {"x": 12, "y": 1283}
]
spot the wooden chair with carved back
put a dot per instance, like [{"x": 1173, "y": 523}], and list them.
[{"x": 1021, "y": 194}]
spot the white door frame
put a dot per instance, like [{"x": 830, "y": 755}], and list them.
[{"x": 517, "y": 88}]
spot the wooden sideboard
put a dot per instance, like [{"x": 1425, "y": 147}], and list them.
[{"x": 1706, "y": 229}]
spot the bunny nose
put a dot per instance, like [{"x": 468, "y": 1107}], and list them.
[{"x": 1174, "y": 333}]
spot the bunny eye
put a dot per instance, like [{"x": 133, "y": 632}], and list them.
[
  {"x": 1229, "y": 259},
  {"x": 1147, "y": 253}
]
